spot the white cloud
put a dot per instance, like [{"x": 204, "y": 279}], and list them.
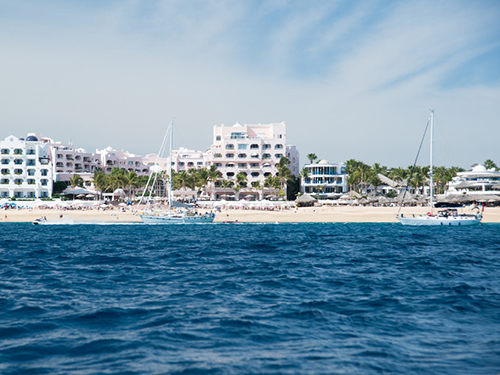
[{"x": 116, "y": 75}]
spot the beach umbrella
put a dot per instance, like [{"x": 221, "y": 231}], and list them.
[
  {"x": 96, "y": 204},
  {"x": 103, "y": 205},
  {"x": 496, "y": 186},
  {"x": 122, "y": 204}
]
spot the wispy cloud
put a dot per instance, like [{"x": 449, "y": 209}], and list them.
[{"x": 330, "y": 69}]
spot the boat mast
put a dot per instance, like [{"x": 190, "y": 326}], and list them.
[
  {"x": 431, "y": 169},
  {"x": 170, "y": 168}
]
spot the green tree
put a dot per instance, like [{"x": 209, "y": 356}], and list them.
[
  {"x": 489, "y": 164},
  {"x": 311, "y": 157},
  {"x": 75, "y": 181}
]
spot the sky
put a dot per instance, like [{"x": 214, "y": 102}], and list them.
[{"x": 351, "y": 79}]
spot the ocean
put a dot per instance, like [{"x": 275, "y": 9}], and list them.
[{"x": 249, "y": 299}]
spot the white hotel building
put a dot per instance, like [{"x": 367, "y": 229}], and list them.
[
  {"x": 253, "y": 150},
  {"x": 26, "y": 170},
  {"x": 327, "y": 179}
]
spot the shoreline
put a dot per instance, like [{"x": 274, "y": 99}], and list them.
[{"x": 337, "y": 214}]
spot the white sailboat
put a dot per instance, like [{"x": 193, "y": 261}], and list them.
[
  {"x": 183, "y": 214},
  {"x": 448, "y": 217}
]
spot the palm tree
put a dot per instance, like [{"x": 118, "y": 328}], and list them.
[
  {"x": 213, "y": 175},
  {"x": 131, "y": 179},
  {"x": 241, "y": 180},
  {"x": 183, "y": 179},
  {"x": 75, "y": 181},
  {"x": 100, "y": 181},
  {"x": 284, "y": 173},
  {"x": 489, "y": 164},
  {"x": 311, "y": 157}
]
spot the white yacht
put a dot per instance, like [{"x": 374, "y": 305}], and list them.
[
  {"x": 448, "y": 217},
  {"x": 183, "y": 214}
]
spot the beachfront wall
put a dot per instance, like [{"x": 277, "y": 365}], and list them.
[
  {"x": 326, "y": 179},
  {"x": 26, "y": 170},
  {"x": 254, "y": 150}
]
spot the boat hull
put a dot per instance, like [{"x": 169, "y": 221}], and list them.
[
  {"x": 172, "y": 219},
  {"x": 436, "y": 220}
]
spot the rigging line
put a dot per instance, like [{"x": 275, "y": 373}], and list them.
[
  {"x": 158, "y": 156},
  {"x": 413, "y": 167}
]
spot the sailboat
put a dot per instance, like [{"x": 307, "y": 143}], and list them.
[
  {"x": 183, "y": 214},
  {"x": 448, "y": 217}
]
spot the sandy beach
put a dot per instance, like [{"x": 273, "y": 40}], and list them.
[{"x": 342, "y": 214}]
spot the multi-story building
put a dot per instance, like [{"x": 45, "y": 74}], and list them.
[
  {"x": 122, "y": 159},
  {"x": 253, "y": 150},
  {"x": 478, "y": 180},
  {"x": 183, "y": 160},
  {"x": 26, "y": 170},
  {"x": 326, "y": 179}
]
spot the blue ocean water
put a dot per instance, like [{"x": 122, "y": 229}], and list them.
[{"x": 249, "y": 299}]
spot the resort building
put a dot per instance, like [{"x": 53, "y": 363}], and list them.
[
  {"x": 26, "y": 170},
  {"x": 183, "y": 160},
  {"x": 254, "y": 151},
  {"x": 478, "y": 180},
  {"x": 326, "y": 179},
  {"x": 111, "y": 158}
]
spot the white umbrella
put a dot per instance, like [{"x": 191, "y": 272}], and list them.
[
  {"x": 103, "y": 205},
  {"x": 122, "y": 204}
]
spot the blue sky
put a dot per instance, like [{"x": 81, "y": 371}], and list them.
[{"x": 351, "y": 79}]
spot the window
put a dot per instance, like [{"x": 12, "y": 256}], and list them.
[
  {"x": 18, "y": 151},
  {"x": 242, "y": 146},
  {"x": 31, "y": 172},
  {"x": 59, "y": 156},
  {"x": 242, "y": 165},
  {"x": 238, "y": 135},
  {"x": 130, "y": 163},
  {"x": 230, "y": 174},
  {"x": 218, "y": 165},
  {"x": 5, "y": 171},
  {"x": 18, "y": 181},
  {"x": 31, "y": 162},
  {"x": 278, "y": 156},
  {"x": 255, "y": 174},
  {"x": 30, "y": 152},
  {"x": 242, "y": 156},
  {"x": 229, "y": 156},
  {"x": 278, "y": 147},
  {"x": 18, "y": 171},
  {"x": 18, "y": 161},
  {"x": 31, "y": 181},
  {"x": 199, "y": 163},
  {"x": 59, "y": 164},
  {"x": 266, "y": 147},
  {"x": 266, "y": 156},
  {"x": 230, "y": 165},
  {"x": 181, "y": 164},
  {"x": 5, "y": 181},
  {"x": 190, "y": 164},
  {"x": 229, "y": 147},
  {"x": 5, "y": 161},
  {"x": 254, "y": 147},
  {"x": 69, "y": 164},
  {"x": 5, "y": 151},
  {"x": 44, "y": 182},
  {"x": 254, "y": 165},
  {"x": 217, "y": 138}
]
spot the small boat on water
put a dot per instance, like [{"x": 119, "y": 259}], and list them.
[
  {"x": 448, "y": 217},
  {"x": 42, "y": 220}
]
